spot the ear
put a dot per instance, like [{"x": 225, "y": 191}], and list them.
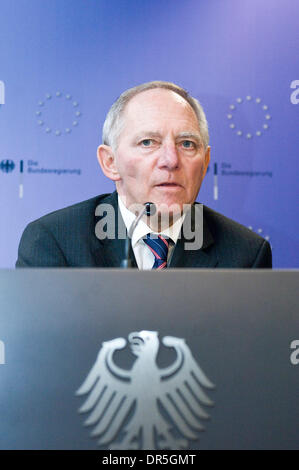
[
  {"x": 207, "y": 159},
  {"x": 106, "y": 160}
]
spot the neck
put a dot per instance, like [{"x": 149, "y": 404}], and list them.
[{"x": 160, "y": 222}]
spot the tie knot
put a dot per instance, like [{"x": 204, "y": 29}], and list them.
[{"x": 159, "y": 248}]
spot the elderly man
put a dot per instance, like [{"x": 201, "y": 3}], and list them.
[{"x": 155, "y": 149}]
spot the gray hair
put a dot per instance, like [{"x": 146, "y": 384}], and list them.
[{"x": 114, "y": 120}]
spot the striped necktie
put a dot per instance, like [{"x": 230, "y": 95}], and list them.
[{"x": 159, "y": 248}]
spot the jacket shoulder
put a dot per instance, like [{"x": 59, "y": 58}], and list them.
[
  {"x": 84, "y": 209},
  {"x": 235, "y": 243},
  {"x": 219, "y": 222},
  {"x": 64, "y": 237}
]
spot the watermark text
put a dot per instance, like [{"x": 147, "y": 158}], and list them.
[
  {"x": 165, "y": 217},
  {"x": 294, "y": 357},
  {"x": 295, "y": 94}
]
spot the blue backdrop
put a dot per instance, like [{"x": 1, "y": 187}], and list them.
[{"x": 63, "y": 63}]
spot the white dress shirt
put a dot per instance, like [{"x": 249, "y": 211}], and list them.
[{"x": 143, "y": 255}]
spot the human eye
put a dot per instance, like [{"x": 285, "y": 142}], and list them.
[
  {"x": 146, "y": 142},
  {"x": 188, "y": 144}
]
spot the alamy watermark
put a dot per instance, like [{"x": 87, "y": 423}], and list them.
[
  {"x": 166, "y": 216},
  {"x": 2, "y": 353},
  {"x": 295, "y": 94},
  {"x": 294, "y": 357},
  {"x": 2, "y": 92}
]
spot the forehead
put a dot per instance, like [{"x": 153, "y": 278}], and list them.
[{"x": 159, "y": 107}]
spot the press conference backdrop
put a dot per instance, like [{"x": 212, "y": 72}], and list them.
[{"x": 63, "y": 63}]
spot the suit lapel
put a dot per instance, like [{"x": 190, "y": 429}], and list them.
[
  {"x": 202, "y": 258},
  {"x": 110, "y": 252}
]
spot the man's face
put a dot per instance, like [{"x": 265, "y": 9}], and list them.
[{"x": 160, "y": 156}]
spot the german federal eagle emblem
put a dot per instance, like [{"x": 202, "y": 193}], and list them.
[{"x": 145, "y": 407}]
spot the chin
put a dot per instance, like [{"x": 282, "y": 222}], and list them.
[{"x": 172, "y": 207}]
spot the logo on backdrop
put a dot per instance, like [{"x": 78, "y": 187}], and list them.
[
  {"x": 58, "y": 114},
  {"x": 249, "y": 117},
  {"x": 295, "y": 94},
  {"x": 33, "y": 167},
  {"x": 7, "y": 166},
  {"x": 2, "y": 93},
  {"x": 145, "y": 407},
  {"x": 227, "y": 169}
]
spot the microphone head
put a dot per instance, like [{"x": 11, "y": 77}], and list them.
[{"x": 150, "y": 208}]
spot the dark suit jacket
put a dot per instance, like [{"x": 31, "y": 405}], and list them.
[{"x": 66, "y": 238}]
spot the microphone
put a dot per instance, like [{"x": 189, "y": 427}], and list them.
[{"x": 149, "y": 209}]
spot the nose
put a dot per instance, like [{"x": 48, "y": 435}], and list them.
[{"x": 169, "y": 157}]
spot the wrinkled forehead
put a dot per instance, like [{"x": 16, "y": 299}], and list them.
[{"x": 156, "y": 104}]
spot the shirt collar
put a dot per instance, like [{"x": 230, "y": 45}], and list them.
[{"x": 143, "y": 229}]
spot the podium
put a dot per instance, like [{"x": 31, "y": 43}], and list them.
[{"x": 124, "y": 359}]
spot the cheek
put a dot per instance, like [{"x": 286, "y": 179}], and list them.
[
  {"x": 130, "y": 170},
  {"x": 195, "y": 173},
  {"x": 126, "y": 166},
  {"x": 133, "y": 171}
]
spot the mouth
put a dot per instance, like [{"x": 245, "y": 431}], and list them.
[{"x": 168, "y": 185}]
